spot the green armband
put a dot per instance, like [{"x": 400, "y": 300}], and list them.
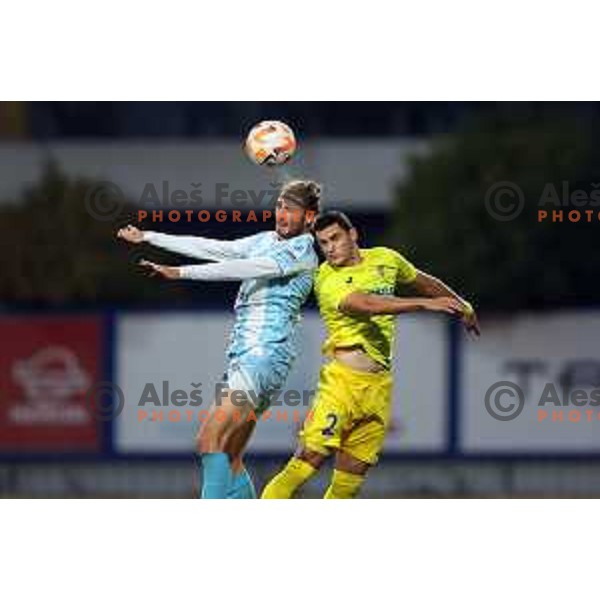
[{"x": 470, "y": 310}]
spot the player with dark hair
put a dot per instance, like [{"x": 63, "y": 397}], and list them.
[
  {"x": 276, "y": 269},
  {"x": 355, "y": 289}
]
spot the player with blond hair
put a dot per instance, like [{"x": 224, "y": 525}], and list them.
[{"x": 276, "y": 269}]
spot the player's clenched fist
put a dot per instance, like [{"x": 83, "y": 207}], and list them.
[{"x": 131, "y": 234}]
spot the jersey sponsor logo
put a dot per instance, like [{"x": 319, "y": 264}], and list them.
[{"x": 382, "y": 290}]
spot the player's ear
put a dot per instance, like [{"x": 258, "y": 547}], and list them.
[{"x": 354, "y": 235}]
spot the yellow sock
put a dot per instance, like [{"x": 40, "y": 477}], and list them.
[
  {"x": 344, "y": 486},
  {"x": 285, "y": 483}
]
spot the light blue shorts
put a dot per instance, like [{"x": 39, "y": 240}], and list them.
[{"x": 258, "y": 373}]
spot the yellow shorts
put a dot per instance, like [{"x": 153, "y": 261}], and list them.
[{"x": 351, "y": 412}]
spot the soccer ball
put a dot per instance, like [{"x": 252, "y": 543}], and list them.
[{"x": 270, "y": 143}]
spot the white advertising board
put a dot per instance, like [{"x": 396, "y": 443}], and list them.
[
  {"x": 541, "y": 375},
  {"x": 187, "y": 349}
]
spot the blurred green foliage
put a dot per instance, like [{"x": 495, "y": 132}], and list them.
[
  {"x": 54, "y": 253},
  {"x": 441, "y": 221}
]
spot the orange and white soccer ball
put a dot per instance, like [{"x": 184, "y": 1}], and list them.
[{"x": 270, "y": 143}]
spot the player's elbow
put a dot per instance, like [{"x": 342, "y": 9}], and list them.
[{"x": 425, "y": 284}]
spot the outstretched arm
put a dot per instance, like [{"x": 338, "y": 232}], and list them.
[
  {"x": 189, "y": 245},
  {"x": 432, "y": 287},
  {"x": 230, "y": 270},
  {"x": 373, "y": 304}
]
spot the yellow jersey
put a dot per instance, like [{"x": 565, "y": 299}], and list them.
[{"x": 378, "y": 272}]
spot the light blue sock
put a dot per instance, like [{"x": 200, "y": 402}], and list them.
[
  {"x": 241, "y": 487},
  {"x": 216, "y": 475}
]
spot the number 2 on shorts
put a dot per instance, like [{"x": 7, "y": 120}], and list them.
[{"x": 328, "y": 431}]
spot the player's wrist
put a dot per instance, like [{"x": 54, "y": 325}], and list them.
[
  {"x": 424, "y": 304},
  {"x": 186, "y": 272},
  {"x": 469, "y": 310}
]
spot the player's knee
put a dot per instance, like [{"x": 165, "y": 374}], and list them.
[
  {"x": 209, "y": 438},
  {"x": 220, "y": 435},
  {"x": 313, "y": 458},
  {"x": 349, "y": 464}
]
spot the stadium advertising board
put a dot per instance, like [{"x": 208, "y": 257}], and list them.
[
  {"x": 48, "y": 364},
  {"x": 531, "y": 384},
  {"x": 169, "y": 366}
]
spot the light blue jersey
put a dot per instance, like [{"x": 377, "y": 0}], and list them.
[
  {"x": 263, "y": 342},
  {"x": 277, "y": 276},
  {"x": 267, "y": 310}
]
